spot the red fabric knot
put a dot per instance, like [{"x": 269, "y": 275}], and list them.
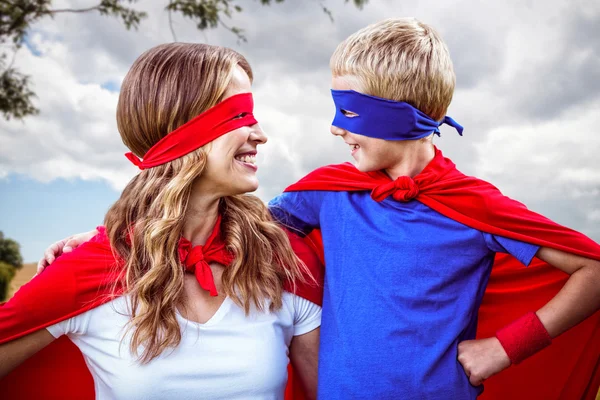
[
  {"x": 194, "y": 262},
  {"x": 402, "y": 189},
  {"x": 135, "y": 160},
  {"x": 196, "y": 259}
]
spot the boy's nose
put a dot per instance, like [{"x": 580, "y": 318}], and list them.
[{"x": 337, "y": 131}]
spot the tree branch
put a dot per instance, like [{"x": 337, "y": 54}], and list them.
[
  {"x": 74, "y": 10},
  {"x": 171, "y": 21},
  {"x": 14, "y": 57},
  {"x": 236, "y": 31},
  {"x": 327, "y": 10}
]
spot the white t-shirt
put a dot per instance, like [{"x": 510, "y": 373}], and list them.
[{"x": 231, "y": 356}]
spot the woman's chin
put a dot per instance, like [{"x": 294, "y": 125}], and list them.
[
  {"x": 254, "y": 188},
  {"x": 248, "y": 186}
]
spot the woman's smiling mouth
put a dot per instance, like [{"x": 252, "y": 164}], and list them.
[{"x": 247, "y": 159}]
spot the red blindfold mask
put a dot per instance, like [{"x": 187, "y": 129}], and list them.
[{"x": 230, "y": 114}]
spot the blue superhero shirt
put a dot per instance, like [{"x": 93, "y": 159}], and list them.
[{"x": 403, "y": 285}]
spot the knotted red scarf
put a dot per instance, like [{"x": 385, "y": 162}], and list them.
[
  {"x": 402, "y": 189},
  {"x": 196, "y": 259},
  {"x": 232, "y": 113},
  {"x": 570, "y": 368}
]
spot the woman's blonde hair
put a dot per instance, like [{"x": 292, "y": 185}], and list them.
[
  {"x": 167, "y": 86},
  {"x": 399, "y": 59}
]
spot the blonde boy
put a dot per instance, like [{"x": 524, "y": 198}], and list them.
[{"x": 410, "y": 241}]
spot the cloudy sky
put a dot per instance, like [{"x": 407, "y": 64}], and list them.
[{"x": 528, "y": 94}]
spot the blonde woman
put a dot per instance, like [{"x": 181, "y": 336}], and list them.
[{"x": 202, "y": 269}]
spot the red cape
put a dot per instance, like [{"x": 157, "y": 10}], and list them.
[
  {"x": 73, "y": 284},
  {"x": 570, "y": 368}
]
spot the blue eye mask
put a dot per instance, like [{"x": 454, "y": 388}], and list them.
[{"x": 384, "y": 119}]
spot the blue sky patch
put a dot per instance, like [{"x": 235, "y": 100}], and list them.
[{"x": 37, "y": 214}]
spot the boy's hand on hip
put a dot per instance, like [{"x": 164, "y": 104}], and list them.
[{"x": 482, "y": 358}]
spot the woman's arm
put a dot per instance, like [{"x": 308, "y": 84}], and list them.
[
  {"x": 304, "y": 356},
  {"x": 13, "y": 353}
]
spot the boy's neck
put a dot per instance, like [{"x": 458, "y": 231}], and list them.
[{"x": 413, "y": 158}]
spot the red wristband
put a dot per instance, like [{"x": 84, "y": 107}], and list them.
[{"x": 524, "y": 337}]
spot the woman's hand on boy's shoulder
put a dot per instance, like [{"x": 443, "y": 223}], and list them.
[
  {"x": 65, "y": 245},
  {"x": 482, "y": 358}
]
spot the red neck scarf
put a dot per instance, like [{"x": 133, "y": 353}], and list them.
[
  {"x": 196, "y": 259},
  {"x": 228, "y": 115},
  {"x": 465, "y": 199},
  {"x": 345, "y": 177}
]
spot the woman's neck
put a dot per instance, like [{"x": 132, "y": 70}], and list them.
[{"x": 200, "y": 218}]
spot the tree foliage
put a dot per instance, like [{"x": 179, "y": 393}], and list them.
[
  {"x": 10, "y": 252},
  {"x": 7, "y": 273},
  {"x": 17, "y": 17},
  {"x": 10, "y": 261}
]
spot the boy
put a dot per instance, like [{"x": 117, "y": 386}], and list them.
[{"x": 409, "y": 241}]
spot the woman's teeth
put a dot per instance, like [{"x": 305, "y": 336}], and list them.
[
  {"x": 247, "y": 159},
  {"x": 354, "y": 147}
]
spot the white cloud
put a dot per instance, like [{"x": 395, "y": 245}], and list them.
[
  {"x": 548, "y": 156},
  {"x": 75, "y": 136},
  {"x": 552, "y": 166},
  {"x": 528, "y": 92}
]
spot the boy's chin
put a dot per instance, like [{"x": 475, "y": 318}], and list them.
[{"x": 363, "y": 167}]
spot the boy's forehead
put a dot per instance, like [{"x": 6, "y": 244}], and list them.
[{"x": 346, "y": 82}]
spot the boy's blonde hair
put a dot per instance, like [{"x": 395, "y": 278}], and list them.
[{"x": 400, "y": 59}]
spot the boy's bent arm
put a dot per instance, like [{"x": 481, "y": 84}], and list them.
[
  {"x": 580, "y": 296},
  {"x": 13, "y": 353},
  {"x": 578, "y": 299}
]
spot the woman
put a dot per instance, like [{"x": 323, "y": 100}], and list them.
[{"x": 201, "y": 266}]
